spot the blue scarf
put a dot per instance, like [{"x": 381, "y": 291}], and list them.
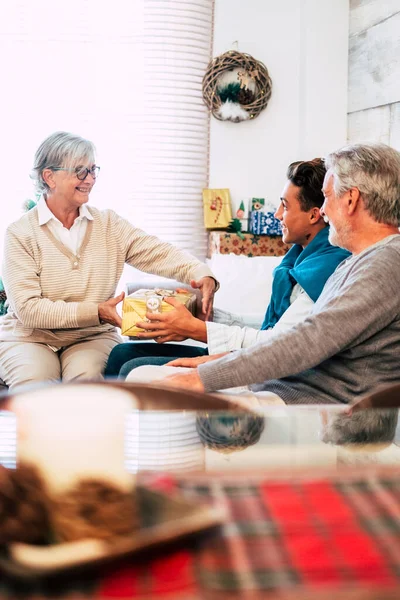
[{"x": 310, "y": 268}]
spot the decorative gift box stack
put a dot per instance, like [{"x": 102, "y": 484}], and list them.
[{"x": 264, "y": 237}]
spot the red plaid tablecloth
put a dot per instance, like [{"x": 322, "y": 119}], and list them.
[{"x": 285, "y": 538}]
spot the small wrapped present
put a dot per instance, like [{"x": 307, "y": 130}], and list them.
[
  {"x": 256, "y": 204},
  {"x": 139, "y": 303},
  {"x": 264, "y": 223},
  {"x": 217, "y": 208}
]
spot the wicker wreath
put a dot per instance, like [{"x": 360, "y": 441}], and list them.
[{"x": 250, "y": 70}]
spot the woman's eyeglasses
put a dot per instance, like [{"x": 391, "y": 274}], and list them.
[{"x": 81, "y": 172}]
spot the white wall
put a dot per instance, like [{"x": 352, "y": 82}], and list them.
[{"x": 304, "y": 45}]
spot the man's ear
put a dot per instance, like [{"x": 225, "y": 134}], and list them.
[
  {"x": 315, "y": 215},
  {"x": 48, "y": 177},
  {"x": 353, "y": 199}
]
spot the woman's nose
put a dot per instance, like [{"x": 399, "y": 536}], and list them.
[{"x": 91, "y": 176}]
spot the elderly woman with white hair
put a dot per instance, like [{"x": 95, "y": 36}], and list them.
[{"x": 62, "y": 264}]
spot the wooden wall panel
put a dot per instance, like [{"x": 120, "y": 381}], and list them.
[
  {"x": 374, "y": 66},
  {"x": 395, "y": 126},
  {"x": 371, "y": 125},
  {"x": 367, "y": 13}
]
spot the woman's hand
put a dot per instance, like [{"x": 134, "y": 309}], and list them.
[
  {"x": 173, "y": 326},
  {"x": 207, "y": 287},
  {"x": 108, "y": 312},
  {"x": 192, "y": 363},
  {"x": 186, "y": 381}
]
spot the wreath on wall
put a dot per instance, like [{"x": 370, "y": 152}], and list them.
[{"x": 236, "y": 87}]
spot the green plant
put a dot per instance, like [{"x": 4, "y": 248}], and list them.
[
  {"x": 229, "y": 92},
  {"x": 3, "y": 298},
  {"x": 29, "y": 203}
]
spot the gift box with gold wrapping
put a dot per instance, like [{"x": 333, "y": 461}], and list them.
[
  {"x": 217, "y": 208},
  {"x": 136, "y": 306}
]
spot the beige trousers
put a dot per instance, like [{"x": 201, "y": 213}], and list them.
[{"x": 23, "y": 363}]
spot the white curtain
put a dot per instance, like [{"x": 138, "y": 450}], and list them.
[{"x": 127, "y": 75}]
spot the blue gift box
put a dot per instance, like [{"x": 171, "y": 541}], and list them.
[{"x": 261, "y": 223}]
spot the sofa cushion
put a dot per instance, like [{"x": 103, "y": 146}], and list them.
[{"x": 246, "y": 284}]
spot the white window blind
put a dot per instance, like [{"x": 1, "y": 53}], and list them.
[
  {"x": 8, "y": 439},
  {"x": 163, "y": 441},
  {"x": 127, "y": 75}
]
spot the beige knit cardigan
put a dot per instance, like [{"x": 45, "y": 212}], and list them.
[{"x": 54, "y": 294}]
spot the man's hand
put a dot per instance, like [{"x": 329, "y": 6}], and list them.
[
  {"x": 108, "y": 312},
  {"x": 186, "y": 381},
  {"x": 173, "y": 326},
  {"x": 192, "y": 363},
  {"x": 207, "y": 287}
]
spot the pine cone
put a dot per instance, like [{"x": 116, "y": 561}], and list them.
[
  {"x": 23, "y": 506},
  {"x": 94, "y": 509},
  {"x": 245, "y": 96}
]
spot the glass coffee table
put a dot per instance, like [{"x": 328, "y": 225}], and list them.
[{"x": 233, "y": 502}]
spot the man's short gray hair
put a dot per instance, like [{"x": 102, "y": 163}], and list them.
[
  {"x": 369, "y": 426},
  {"x": 375, "y": 170},
  {"x": 60, "y": 149}
]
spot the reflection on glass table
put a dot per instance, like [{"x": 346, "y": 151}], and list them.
[
  {"x": 8, "y": 439},
  {"x": 135, "y": 428},
  {"x": 96, "y": 472}
]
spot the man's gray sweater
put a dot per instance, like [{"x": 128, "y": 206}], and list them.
[{"x": 347, "y": 347}]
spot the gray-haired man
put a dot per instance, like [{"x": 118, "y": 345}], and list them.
[{"x": 350, "y": 343}]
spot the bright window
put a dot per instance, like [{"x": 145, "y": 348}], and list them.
[{"x": 127, "y": 75}]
